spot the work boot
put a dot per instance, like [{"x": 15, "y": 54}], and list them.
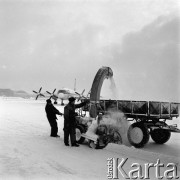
[
  {"x": 54, "y": 135},
  {"x": 75, "y": 145}
]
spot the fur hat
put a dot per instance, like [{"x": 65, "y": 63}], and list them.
[
  {"x": 71, "y": 99},
  {"x": 48, "y": 101}
]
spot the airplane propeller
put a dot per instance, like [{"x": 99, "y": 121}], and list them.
[
  {"x": 52, "y": 94},
  {"x": 38, "y": 93},
  {"x": 81, "y": 95}
]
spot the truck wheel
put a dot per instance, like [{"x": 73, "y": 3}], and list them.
[
  {"x": 79, "y": 130},
  {"x": 138, "y": 135},
  {"x": 160, "y": 136}
]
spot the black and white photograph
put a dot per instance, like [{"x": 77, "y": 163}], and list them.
[{"x": 89, "y": 89}]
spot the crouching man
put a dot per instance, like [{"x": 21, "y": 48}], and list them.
[{"x": 70, "y": 121}]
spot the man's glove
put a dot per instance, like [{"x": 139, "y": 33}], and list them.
[
  {"x": 60, "y": 113},
  {"x": 87, "y": 101},
  {"x": 76, "y": 114}
]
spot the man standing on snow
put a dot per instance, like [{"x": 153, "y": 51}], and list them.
[
  {"x": 51, "y": 112},
  {"x": 70, "y": 121}
]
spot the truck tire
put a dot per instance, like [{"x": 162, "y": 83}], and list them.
[
  {"x": 160, "y": 136},
  {"x": 79, "y": 130},
  {"x": 138, "y": 135}
]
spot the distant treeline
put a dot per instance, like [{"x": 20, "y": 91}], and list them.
[{"x": 12, "y": 93}]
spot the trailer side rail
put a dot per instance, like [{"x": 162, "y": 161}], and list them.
[{"x": 149, "y": 109}]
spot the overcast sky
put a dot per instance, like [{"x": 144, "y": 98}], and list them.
[{"x": 49, "y": 43}]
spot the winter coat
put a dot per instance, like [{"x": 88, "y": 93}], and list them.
[
  {"x": 51, "y": 112},
  {"x": 70, "y": 114}
]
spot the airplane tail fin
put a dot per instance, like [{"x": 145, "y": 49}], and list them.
[{"x": 75, "y": 84}]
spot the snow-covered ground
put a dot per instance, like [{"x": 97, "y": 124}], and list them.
[{"x": 27, "y": 151}]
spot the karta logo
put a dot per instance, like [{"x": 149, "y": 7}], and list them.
[{"x": 139, "y": 171}]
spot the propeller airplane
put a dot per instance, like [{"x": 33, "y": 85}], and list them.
[{"x": 63, "y": 94}]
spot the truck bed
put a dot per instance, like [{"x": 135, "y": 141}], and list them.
[{"x": 142, "y": 109}]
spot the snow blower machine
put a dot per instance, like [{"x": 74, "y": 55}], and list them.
[{"x": 147, "y": 118}]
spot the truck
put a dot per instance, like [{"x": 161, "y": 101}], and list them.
[{"x": 148, "y": 118}]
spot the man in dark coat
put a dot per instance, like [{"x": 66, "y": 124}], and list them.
[
  {"x": 51, "y": 112},
  {"x": 70, "y": 121}
]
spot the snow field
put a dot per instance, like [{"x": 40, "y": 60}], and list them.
[{"x": 27, "y": 151}]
